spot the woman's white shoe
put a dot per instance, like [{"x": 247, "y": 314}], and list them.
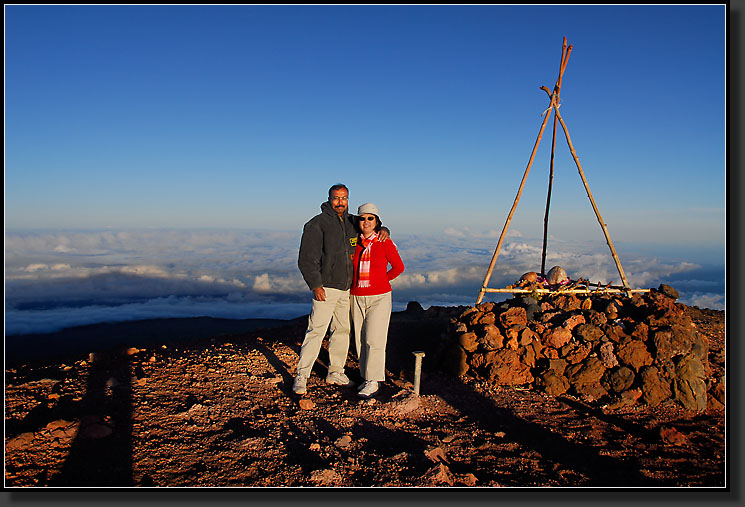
[{"x": 369, "y": 388}]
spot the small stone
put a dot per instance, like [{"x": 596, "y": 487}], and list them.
[
  {"x": 467, "y": 480},
  {"x": 439, "y": 474},
  {"x": 672, "y": 436},
  {"x": 405, "y": 405},
  {"x": 324, "y": 477},
  {"x": 436, "y": 455},
  {"x": 343, "y": 441},
  {"x": 306, "y": 404},
  {"x": 22, "y": 441}
]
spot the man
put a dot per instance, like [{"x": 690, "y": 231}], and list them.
[{"x": 325, "y": 261}]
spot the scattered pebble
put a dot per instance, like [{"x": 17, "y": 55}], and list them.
[{"x": 306, "y": 404}]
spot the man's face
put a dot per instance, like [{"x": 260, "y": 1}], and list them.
[{"x": 339, "y": 201}]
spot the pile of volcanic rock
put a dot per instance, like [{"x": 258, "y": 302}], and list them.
[{"x": 609, "y": 349}]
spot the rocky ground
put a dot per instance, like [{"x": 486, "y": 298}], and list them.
[{"x": 220, "y": 412}]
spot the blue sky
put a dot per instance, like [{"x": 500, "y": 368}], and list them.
[{"x": 241, "y": 117}]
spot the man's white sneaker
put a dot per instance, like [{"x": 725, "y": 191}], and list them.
[
  {"x": 369, "y": 388},
  {"x": 338, "y": 378},
  {"x": 300, "y": 385}
]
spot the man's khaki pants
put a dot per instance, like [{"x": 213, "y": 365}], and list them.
[
  {"x": 335, "y": 310},
  {"x": 371, "y": 316}
]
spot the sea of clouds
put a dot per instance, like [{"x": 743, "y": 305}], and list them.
[{"x": 59, "y": 279}]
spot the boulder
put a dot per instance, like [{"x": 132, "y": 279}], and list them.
[
  {"x": 607, "y": 356},
  {"x": 553, "y": 383},
  {"x": 634, "y": 353},
  {"x": 557, "y": 365},
  {"x": 514, "y": 316},
  {"x": 640, "y": 348},
  {"x": 654, "y": 388},
  {"x": 468, "y": 341},
  {"x": 487, "y": 318},
  {"x": 575, "y": 352},
  {"x": 662, "y": 341},
  {"x": 588, "y": 372},
  {"x": 457, "y": 361},
  {"x": 557, "y": 337},
  {"x": 486, "y": 307},
  {"x": 668, "y": 291},
  {"x": 573, "y": 321},
  {"x": 598, "y": 318},
  {"x": 689, "y": 387},
  {"x": 491, "y": 338},
  {"x": 588, "y": 332},
  {"x": 590, "y": 392},
  {"x": 619, "y": 380},
  {"x": 568, "y": 302},
  {"x": 508, "y": 370}
]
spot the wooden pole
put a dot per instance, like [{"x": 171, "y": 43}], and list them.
[
  {"x": 512, "y": 211},
  {"x": 557, "y": 89},
  {"x": 569, "y": 291},
  {"x": 548, "y": 201},
  {"x": 592, "y": 201}
]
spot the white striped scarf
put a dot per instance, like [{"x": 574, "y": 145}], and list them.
[{"x": 363, "y": 276}]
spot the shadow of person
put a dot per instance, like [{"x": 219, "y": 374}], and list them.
[{"x": 101, "y": 453}]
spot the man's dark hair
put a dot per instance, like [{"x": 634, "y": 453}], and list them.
[{"x": 338, "y": 186}]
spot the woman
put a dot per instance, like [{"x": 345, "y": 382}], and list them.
[{"x": 371, "y": 297}]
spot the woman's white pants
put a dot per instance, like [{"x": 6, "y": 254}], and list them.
[{"x": 371, "y": 316}]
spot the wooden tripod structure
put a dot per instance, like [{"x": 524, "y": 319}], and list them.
[{"x": 554, "y": 106}]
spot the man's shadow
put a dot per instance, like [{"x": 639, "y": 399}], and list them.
[{"x": 101, "y": 454}]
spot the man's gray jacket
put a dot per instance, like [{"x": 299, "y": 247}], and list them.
[{"x": 327, "y": 248}]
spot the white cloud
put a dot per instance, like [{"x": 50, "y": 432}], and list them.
[
  {"x": 712, "y": 301},
  {"x": 58, "y": 274},
  {"x": 35, "y": 267},
  {"x": 279, "y": 284}
]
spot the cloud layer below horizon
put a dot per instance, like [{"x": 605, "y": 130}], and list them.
[{"x": 60, "y": 279}]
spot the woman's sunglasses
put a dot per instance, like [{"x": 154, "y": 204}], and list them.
[{"x": 362, "y": 219}]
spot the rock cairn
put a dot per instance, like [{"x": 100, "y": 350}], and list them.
[{"x": 609, "y": 349}]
